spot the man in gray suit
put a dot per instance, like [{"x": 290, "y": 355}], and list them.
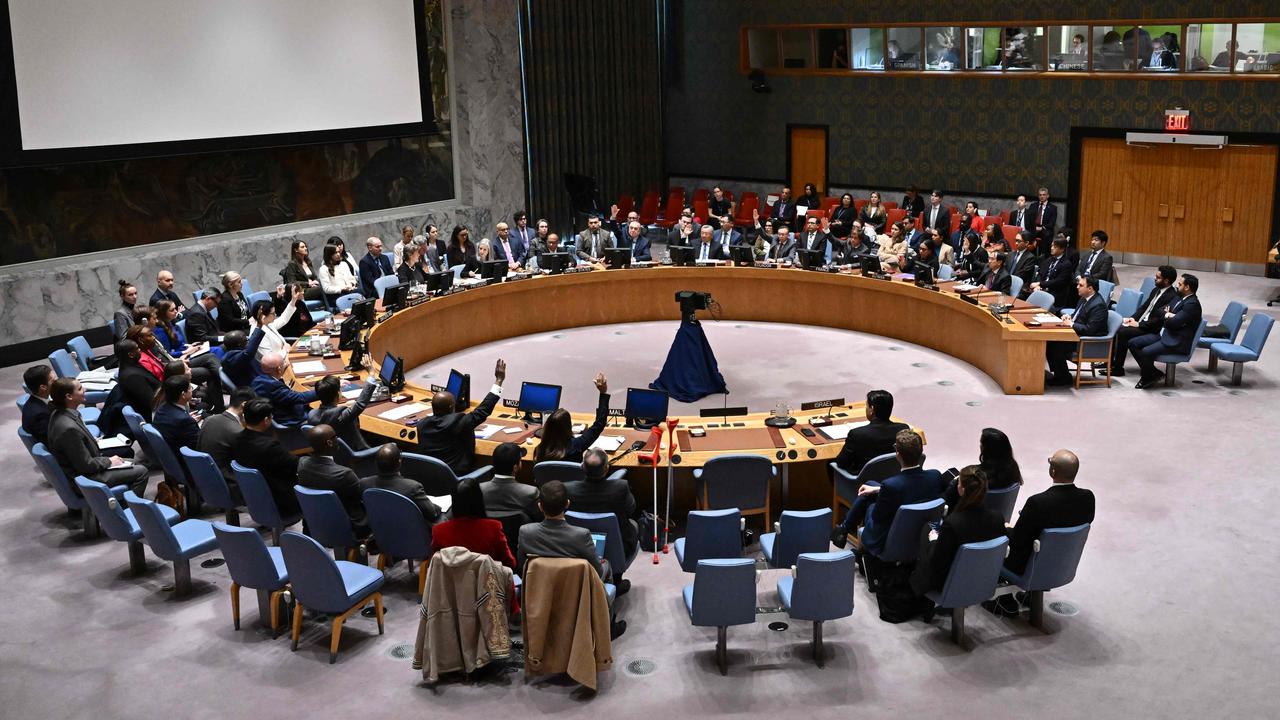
[
  {"x": 506, "y": 494},
  {"x": 593, "y": 241},
  {"x": 389, "y": 478},
  {"x": 344, "y": 419},
  {"x": 599, "y": 494},
  {"x": 319, "y": 471},
  {"x": 75, "y": 448}
]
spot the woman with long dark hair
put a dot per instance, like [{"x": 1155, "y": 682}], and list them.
[
  {"x": 995, "y": 457},
  {"x": 470, "y": 527},
  {"x": 842, "y": 217},
  {"x": 969, "y": 521},
  {"x": 558, "y": 442},
  {"x": 462, "y": 251}
]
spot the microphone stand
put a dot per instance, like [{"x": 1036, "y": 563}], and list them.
[{"x": 671, "y": 449}]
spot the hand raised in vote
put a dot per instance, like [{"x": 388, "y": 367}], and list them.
[
  {"x": 755, "y": 214},
  {"x": 500, "y": 371},
  {"x": 601, "y": 383},
  {"x": 297, "y": 293}
]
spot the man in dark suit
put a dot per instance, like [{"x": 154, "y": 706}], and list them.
[
  {"x": 373, "y": 265},
  {"x": 707, "y": 248},
  {"x": 345, "y": 418},
  {"x": 878, "y": 503},
  {"x": 387, "y": 460},
  {"x": 863, "y": 443},
  {"x": 727, "y": 236},
  {"x": 1062, "y": 505},
  {"x": 218, "y": 432},
  {"x": 508, "y": 247},
  {"x": 449, "y": 435},
  {"x": 240, "y": 356},
  {"x": 592, "y": 242},
  {"x": 784, "y": 211},
  {"x": 1021, "y": 215},
  {"x": 1022, "y": 263},
  {"x": 782, "y": 246},
  {"x": 1148, "y": 319},
  {"x": 995, "y": 276},
  {"x": 173, "y": 418},
  {"x": 814, "y": 236},
  {"x": 290, "y": 406},
  {"x": 1098, "y": 263},
  {"x": 936, "y": 216},
  {"x": 35, "y": 411},
  {"x": 1089, "y": 320},
  {"x": 599, "y": 494},
  {"x": 503, "y": 493},
  {"x": 201, "y": 326},
  {"x": 75, "y": 448},
  {"x": 636, "y": 239},
  {"x": 137, "y": 385},
  {"x": 1057, "y": 277},
  {"x": 164, "y": 291},
  {"x": 1181, "y": 321},
  {"x": 1044, "y": 217},
  {"x": 256, "y": 447},
  {"x": 319, "y": 471}
]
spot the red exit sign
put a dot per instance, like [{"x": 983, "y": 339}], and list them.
[{"x": 1177, "y": 120}]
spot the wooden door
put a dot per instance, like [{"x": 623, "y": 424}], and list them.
[
  {"x": 1247, "y": 194},
  {"x": 807, "y": 158}
]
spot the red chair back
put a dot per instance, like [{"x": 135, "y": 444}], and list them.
[
  {"x": 890, "y": 205},
  {"x": 649, "y": 209},
  {"x": 626, "y": 204},
  {"x": 895, "y": 215}
]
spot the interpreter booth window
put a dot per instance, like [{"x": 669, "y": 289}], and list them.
[
  {"x": 762, "y": 48},
  {"x": 1209, "y": 47},
  {"x": 1003, "y": 48},
  {"x": 1111, "y": 52},
  {"x": 942, "y": 48},
  {"x": 1159, "y": 48},
  {"x": 1068, "y": 48},
  {"x": 1259, "y": 48},
  {"x": 854, "y": 49},
  {"x": 797, "y": 49},
  {"x": 903, "y": 52}
]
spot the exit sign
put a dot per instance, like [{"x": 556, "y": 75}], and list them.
[{"x": 1178, "y": 120}]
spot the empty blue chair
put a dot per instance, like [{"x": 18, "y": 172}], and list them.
[
  {"x": 1015, "y": 286},
  {"x": 971, "y": 580},
  {"x": 345, "y": 302},
  {"x": 820, "y": 590},
  {"x": 549, "y": 470},
  {"x": 52, "y": 472},
  {"x": 400, "y": 530},
  {"x": 710, "y": 535},
  {"x": 362, "y": 462},
  {"x": 325, "y": 585},
  {"x": 210, "y": 483},
  {"x": 436, "y": 476},
  {"x": 1128, "y": 303},
  {"x": 723, "y": 593},
  {"x": 946, "y": 272},
  {"x": 291, "y": 437},
  {"x": 327, "y": 521},
  {"x": 259, "y": 501},
  {"x": 1249, "y": 349},
  {"x": 797, "y": 532},
  {"x": 1172, "y": 360},
  {"x": 255, "y": 298},
  {"x": 1055, "y": 555},
  {"x": 1148, "y": 284},
  {"x": 845, "y": 486},
  {"x": 736, "y": 481},
  {"x": 28, "y": 441},
  {"x": 1041, "y": 299},
  {"x": 117, "y": 521},
  {"x": 255, "y": 566},
  {"x": 1232, "y": 320},
  {"x": 175, "y": 473},
  {"x": 134, "y": 420},
  {"x": 384, "y": 282},
  {"x": 175, "y": 543},
  {"x": 79, "y": 349},
  {"x": 1002, "y": 500},
  {"x": 607, "y": 524},
  {"x": 1105, "y": 288}
]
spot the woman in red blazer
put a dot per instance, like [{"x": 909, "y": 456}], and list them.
[{"x": 471, "y": 529}]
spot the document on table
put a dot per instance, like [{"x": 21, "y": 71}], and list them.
[
  {"x": 444, "y": 502},
  {"x": 841, "y": 431},
  {"x": 964, "y": 287},
  {"x": 403, "y": 411},
  {"x": 308, "y": 368},
  {"x": 352, "y": 394},
  {"x": 608, "y": 443},
  {"x": 1047, "y": 319},
  {"x": 486, "y": 431}
]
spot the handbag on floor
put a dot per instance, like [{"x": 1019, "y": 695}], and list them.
[{"x": 170, "y": 495}]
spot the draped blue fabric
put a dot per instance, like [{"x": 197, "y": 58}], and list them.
[{"x": 690, "y": 372}]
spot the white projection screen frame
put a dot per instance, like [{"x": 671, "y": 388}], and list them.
[{"x": 174, "y": 73}]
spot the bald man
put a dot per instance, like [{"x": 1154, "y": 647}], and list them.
[
  {"x": 319, "y": 471},
  {"x": 290, "y": 407},
  {"x": 449, "y": 435},
  {"x": 373, "y": 265},
  {"x": 164, "y": 291},
  {"x": 509, "y": 247},
  {"x": 1062, "y": 505}
]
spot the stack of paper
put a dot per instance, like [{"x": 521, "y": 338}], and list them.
[
  {"x": 486, "y": 431},
  {"x": 403, "y": 411},
  {"x": 113, "y": 443},
  {"x": 1047, "y": 318},
  {"x": 444, "y": 502},
  {"x": 311, "y": 367},
  {"x": 841, "y": 431},
  {"x": 608, "y": 443},
  {"x": 964, "y": 287}
]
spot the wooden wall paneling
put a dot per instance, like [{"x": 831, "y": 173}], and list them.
[
  {"x": 1248, "y": 190},
  {"x": 1193, "y": 201}
]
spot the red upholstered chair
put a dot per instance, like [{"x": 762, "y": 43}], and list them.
[
  {"x": 626, "y": 204},
  {"x": 701, "y": 194},
  {"x": 890, "y": 205},
  {"x": 1009, "y": 232},
  {"x": 828, "y": 203},
  {"x": 955, "y": 222},
  {"x": 858, "y": 205},
  {"x": 649, "y": 209},
  {"x": 895, "y": 215}
]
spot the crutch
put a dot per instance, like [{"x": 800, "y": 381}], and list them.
[
  {"x": 671, "y": 449},
  {"x": 655, "y": 436}
]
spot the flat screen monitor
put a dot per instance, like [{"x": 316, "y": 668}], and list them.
[
  {"x": 440, "y": 281},
  {"x": 924, "y": 274},
  {"x": 387, "y": 373},
  {"x": 393, "y": 297},
  {"x": 810, "y": 259},
  {"x": 683, "y": 255},
  {"x": 459, "y": 386},
  {"x": 364, "y": 310},
  {"x": 744, "y": 255},
  {"x": 870, "y": 265},
  {"x": 493, "y": 269},
  {"x": 538, "y": 398},
  {"x": 618, "y": 257},
  {"x": 553, "y": 261},
  {"x": 645, "y": 407}
]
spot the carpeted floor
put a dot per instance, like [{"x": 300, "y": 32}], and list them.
[{"x": 1171, "y": 596}]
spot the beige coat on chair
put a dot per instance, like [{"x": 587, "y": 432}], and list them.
[
  {"x": 566, "y": 620},
  {"x": 463, "y": 616}
]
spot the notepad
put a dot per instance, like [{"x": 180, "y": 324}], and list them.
[
  {"x": 444, "y": 502},
  {"x": 403, "y": 411},
  {"x": 113, "y": 443},
  {"x": 1047, "y": 318},
  {"x": 96, "y": 376},
  {"x": 608, "y": 443},
  {"x": 512, "y": 430},
  {"x": 352, "y": 394},
  {"x": 308, "y": 368},
  {"x": 841, "y": 431},
  {"x": 486, "y": 431}
]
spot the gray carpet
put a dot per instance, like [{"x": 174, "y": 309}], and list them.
[{"x": 1171, "y": 598}]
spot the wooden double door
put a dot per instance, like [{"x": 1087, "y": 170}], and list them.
[{"x": 1194, "y": 208}]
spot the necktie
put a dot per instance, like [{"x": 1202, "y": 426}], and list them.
[
  {"x": 1041, "y": 220},
  {"x": 991, "y": 277},
  {"x": 1089, "y": 265},
  {"x": 705, "y": 246},
  {"x": 933, "y": 216},
  {"x": 1151, "y": 306},
  {"x": 506, "y": 246},
  {"x": 595, "y": 244}
]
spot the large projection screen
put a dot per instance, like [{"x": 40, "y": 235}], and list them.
[{"x": 123, "y": 72}]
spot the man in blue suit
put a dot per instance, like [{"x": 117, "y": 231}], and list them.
[
  {"x": 1089, "y": 320},
  {"x": 878, "y": 503},
  {"x": 373, "y": 266},
  {"x": 289, "y": 407},
  {"x": 1181, "y": 321},
  {"x": 727, "y": 236},
  {"x": 1056, "y": 275},
  {"x": 173, "y": 417},
  {"x": 636, "y": 239},
  {"x": 240, "y": 356},
  {"x": 509, "y": 247}
]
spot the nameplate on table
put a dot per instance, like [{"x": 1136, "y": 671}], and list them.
[
  {"x": 508, "y": 403},
  {"x": 617, "y": 412},
  {"x": 722, "y": 412},
  {"x": 821, "y": 404}
]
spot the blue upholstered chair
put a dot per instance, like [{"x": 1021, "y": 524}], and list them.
[
  {"x": 134, "y": 421},
  {"x": 710, "y": 535},
  {"x": 362, "y": 462},
  {"x": 257, "y": 297},
  {"x": 28, "y": 440},
  {"x": 797, "y": 532},
  {"x": 175, "y": 473},
  {"x": 1148, "y": 284},
  {"x": 400, "y": 530},
  {"x": 902, "y": 545},
  {"x": 259, "y": 501},
  {"x": 723, "y": 593},
  {"x": 1105, "y": 288},
  {"x": 52, "y": 472},
  {"x": 255, "y": 566},
  {"x": 1002, "y": 500},
  {"x": 820, "y": 590},
  {"x": 384, "y": 282},
  {"x": 210, "y": 483},
  {"x": 435, "y": 475},
  {"x": 1249, "y": 349},
  {"x": 1041, "y": 299},
  {"x": 175, "y": 543},
  {"x": 1055, "y": 555},
  {"x": 65, "y": 366},
  {"x": 736, "y": 481},
  {"x": 345, "y": 302},
  {"x": 1172, "y": 360},
  {"x": 946, "y": 272},
  {"x": 1232, "y": 320},
  {"x": 563, "y": 471},
  {"x": 607, "y": 525},
  {"x": 327, "y": 521},
  {"x": 1128, "y": 303},
  {"x": 971, "y": 580},
  {"x": 845, "y": 487},
  {"x": 79, "y": 349},
  {"x": 1015, "y": 286},
  {"x": 325, "y": 585},
  {"x": 117, "y": 521},
  {"x": 1094, "y": 351},
  {"x": 293, "y": 438}
]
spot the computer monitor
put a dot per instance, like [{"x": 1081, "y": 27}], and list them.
[
  {"x": 617, "y": 258},
  {"x": 924, "y": 274},
  {"x": 392, "y": 372},
  {"x": 743, "y": 255},
  {"x": 870, "y": 264},
  {"x": 554, "y": 262},
  {"x": 538, "y": 398},
  {"x": 364, "y": 311},
  {"x": 493, "y": 269},
  {"x": 683, "y": 255},
  {"x": 645, "y": 407},
  {"x": 393, "y": 297},
  {"x": 459, "y": 386},
  {"x": 440, "y": 281},
  {"x": 811, "y": 259}
]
